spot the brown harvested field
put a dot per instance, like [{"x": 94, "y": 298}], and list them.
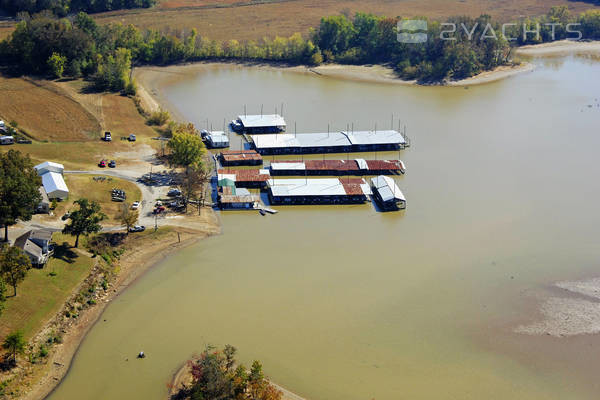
[
  {"x": 252, "y": 20},
  {"x": 43, "y": 112},
  {"x": 246, "y": 22}
]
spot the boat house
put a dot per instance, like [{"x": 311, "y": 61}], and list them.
[
  {"x": 264, "y": 123},
  {"x": 329, "y": 142},
  {"x": 387, "y": 193},
  {"x": 337, "y": 167},
  {"x": 245, "y": 177},
  {"x": 318, "y": 191},
  {"x": 52, "y": 180},
  {"x": 240, "y": 157},
  {"x": 230, "y": 197},
  {"x": 217, "y": 139}
]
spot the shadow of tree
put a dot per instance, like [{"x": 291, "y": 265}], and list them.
[{"x": 63, "y": 252}]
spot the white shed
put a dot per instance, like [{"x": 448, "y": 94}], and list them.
[{"x": 52, "y": 180}]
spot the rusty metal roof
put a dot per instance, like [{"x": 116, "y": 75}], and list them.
[{"x": 241, "y": 155}]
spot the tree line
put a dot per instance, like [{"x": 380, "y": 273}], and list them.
[
  {"x": 63, "y": 7},
  {"x": 78, "y": 47}
]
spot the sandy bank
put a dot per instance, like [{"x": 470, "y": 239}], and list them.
[
  {"x": 576, "y": 312},
  {"x": 151, "y": 80},
  {"x": 560, "y": 48},
  {"x": 40, "y": 380}
]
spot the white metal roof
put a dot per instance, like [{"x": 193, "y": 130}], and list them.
[
  {"x": 327, "y": 139},
  {"x": 218, "y": 137},
  {"x": 376, "y": 137},
  {"x": 54, "y": 185},
  {"x": 311, "y": 187},
  {"x": 299, "y": 166},
  {"x": 261, "y": 121},
  {"x": 387, "y": 188},
  {"x": 49, "y": 166},
  {"x": 362, "y": 164}
]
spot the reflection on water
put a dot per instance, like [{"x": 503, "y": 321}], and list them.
[{"x": 348, "y": 303}]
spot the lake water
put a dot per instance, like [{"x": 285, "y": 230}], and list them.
[{"x": 344, "y": 303}]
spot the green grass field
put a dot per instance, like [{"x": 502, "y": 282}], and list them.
[{"x": 42, "y": 294}]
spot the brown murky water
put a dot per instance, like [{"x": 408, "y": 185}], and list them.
[{"x": 344, "y": 303}]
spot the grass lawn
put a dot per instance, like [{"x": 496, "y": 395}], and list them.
[
  {"x": 41, "y": 295},
  {"x": 100, "y": 191}
]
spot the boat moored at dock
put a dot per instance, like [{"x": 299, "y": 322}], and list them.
[
  {"x": 387, "y": 194},
  {"x": 261, "y": 123}
]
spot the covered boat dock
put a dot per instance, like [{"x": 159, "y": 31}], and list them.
[
  {"x": 261, "y": 123},
  {"x": 245, "y": 177},
  {"x": 329, "y": 142},
  {"x": 318, "y": 191},
  {"x": 357, "y": 166},
  {"x": 240, "y": 157}
]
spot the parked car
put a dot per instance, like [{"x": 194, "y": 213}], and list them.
[
  {"x": 159, "y": 209},
  {"x": 112, "y": 164},
  {"x": 131, "y": 138},
  {"x": 137, "y": 228},
  {"x": 135, "y": 205},
  {"x": 118, "y": 195},
  {"x": 102, "y": 164},
  {"x": 107, "y": 137},
  {"x": 174, "y": 193}
]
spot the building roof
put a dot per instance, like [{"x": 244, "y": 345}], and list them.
[
  {"x": 241, "y": 155},
  {"x": 327, "y": 139},
  {"x": 319, "y": 187},
  {"x": 244, "y": 175},
  {"x": 49, "y": 166},
  {"x": 218, "y": 137},
  {"x": 25, "y": 243},
  {"x": 387, "y": 188},
  {"x": 261, "y": 121},
  {"x": 358, "y": 164},
  {"x": 54, "y": 182}
]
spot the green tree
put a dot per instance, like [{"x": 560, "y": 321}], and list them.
[
  {"x": 127, "y": 216},
  {"x": 15, "y": 344},
  {"x": 56, "y": 63},
  {"x": 85, "y": 220},
  {"x": 19, "y": 189},
  {"x": 14, "y": 264},
  {"x": 186, "y": 147}
]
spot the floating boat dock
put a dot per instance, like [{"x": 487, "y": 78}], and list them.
[
  {"x": 230, "y": 197},
  {"x": 318, "y": 191},
  {"x": 216, "y": 139},
  {"x": 331, "y": 142},
  {"x": 245, "y": 177},
  {"x": 263, "y": 123},
  {"x": 387, "y": 193},
  {"x": 338, "y": 167},
  {"x": 240, "y": 157}
]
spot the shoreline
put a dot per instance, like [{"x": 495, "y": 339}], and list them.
[
  {"x": 151, "y": 78},
  {"x": 61, "y": 356}
]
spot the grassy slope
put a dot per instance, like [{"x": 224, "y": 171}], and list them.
[
  {"x": 40, "y": 295},
  {"x": 56, "y": 117}
]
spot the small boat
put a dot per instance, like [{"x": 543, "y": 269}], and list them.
[
  {"x": 262, "y": 212},
  {"x": 236, "y": 125}
]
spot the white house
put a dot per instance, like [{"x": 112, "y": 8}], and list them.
[{"x": 52, "y": 179}]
